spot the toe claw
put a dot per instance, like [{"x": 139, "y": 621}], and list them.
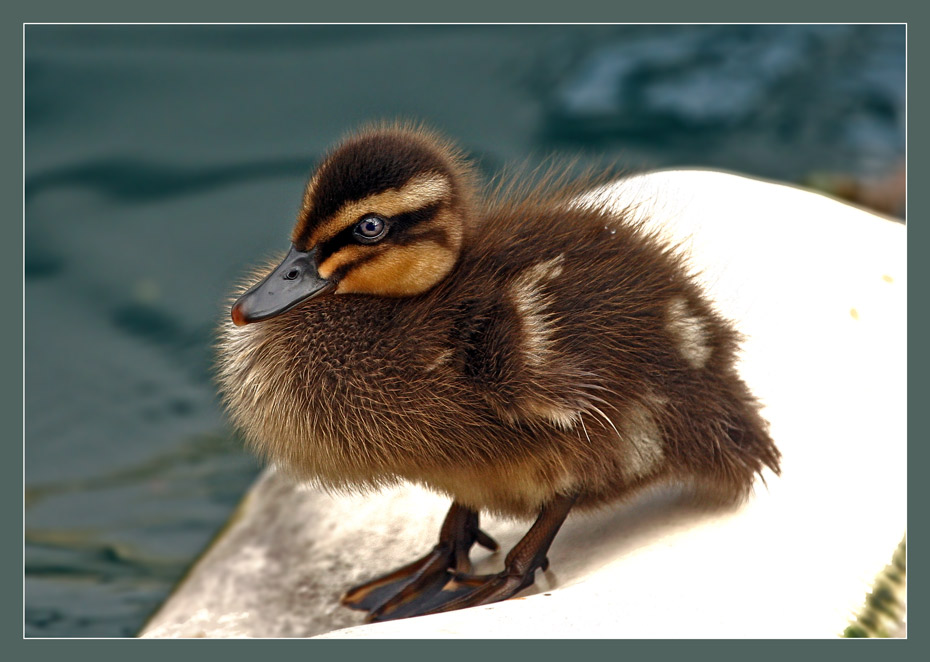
[{"x": 485, "y": 540}]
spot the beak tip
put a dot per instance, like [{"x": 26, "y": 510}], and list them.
[{"x": 237, "y": 315}]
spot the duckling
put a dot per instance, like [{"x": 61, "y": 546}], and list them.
[{"x": 520, "y": 352}]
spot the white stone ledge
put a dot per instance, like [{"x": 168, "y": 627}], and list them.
[{"x": 819, "y": 289}]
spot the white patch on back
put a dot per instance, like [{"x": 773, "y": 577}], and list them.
[
  {"x": 645, "y": 442},
  {"x": 689, "y": 331},
  {"x": 531, "y": 303}
]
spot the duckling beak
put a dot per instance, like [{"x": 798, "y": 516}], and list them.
[{"x": 293, "y": 281}]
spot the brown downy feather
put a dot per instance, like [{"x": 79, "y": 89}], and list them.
[{"x": 555, "y": 349}]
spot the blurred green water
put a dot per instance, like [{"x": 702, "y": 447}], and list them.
[{"x": 161, "y": 160}]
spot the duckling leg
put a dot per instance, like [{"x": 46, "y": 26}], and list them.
[
  {"x": 520, "y": 565},
  {"x": 414, "y": 586}
]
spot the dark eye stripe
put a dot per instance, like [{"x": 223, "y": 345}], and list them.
[
  {"x": 410, "y": 219},
  {"x": 436, "y": 236},
  {"x": 400, "y": 226}
]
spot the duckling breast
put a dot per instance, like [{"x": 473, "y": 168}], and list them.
[{"x": 356, "y": 391}]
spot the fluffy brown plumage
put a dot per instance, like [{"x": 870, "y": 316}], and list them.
[{"x": 509, "y": 352}]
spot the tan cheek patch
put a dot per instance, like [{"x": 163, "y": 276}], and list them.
[
  {"x": 419, "y": 192},
  {"x": 399, "y": 272}
]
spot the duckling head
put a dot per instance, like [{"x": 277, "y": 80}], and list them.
[{"x": 385, "y": 214}]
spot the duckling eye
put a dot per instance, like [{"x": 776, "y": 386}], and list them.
[{"x": 371, "y": 229}]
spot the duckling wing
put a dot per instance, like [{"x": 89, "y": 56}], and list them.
[{"x": 509, "y": 352}]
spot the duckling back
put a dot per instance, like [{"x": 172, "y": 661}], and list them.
[{"x": 593, "y": 336}]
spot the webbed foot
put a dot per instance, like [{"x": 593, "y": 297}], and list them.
[
  {"x": 439, "y": 581},
  {"x": 421, "y": 585}
]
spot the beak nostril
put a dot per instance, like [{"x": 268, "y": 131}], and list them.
[{"x": 292, "y": 274}]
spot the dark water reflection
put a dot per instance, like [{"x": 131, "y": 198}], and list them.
[{"x": 161, "y": 160}]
